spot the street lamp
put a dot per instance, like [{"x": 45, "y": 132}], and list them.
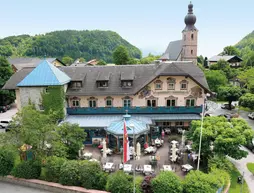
[
  {"x": 133, "y": 128},
  {"x": 201, "y": 129}
]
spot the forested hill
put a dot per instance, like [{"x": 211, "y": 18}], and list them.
[
  {"x": 76, "y": 44},
  {"x": 246, "y": 47}
]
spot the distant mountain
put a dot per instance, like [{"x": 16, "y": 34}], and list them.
[
  {"x": 87, "y": 44},
  {"x": 146, "y": 52},
  {"x": 247, "y": 42}
]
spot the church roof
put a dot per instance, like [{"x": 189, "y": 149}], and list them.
[
  {"x": 173, "y": 50},
  {"x": 45, "y": 74}
]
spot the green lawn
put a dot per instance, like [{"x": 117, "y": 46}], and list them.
[
  {"x": 235, "y": 187},
  {"x": 250, "y": 167}
]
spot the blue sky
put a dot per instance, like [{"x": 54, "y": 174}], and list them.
[{"x": 148, "y": 24}]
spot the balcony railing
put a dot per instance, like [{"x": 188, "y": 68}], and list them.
[{"x": 133, "y": 110}]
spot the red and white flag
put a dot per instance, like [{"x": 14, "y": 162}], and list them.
[{"x": 126, "y": 148}]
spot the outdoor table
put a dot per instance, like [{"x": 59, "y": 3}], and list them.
[
  {"x": 167, "y": 168},
  {"x": 173, "y": 160},
  {"x": 108, "y": 166},
  {"x": 87, "y": 155},
  {"x": 93, "y": 160},
  {"x": 147, "y": 169},
  {"x": 174, "y": 142},
  {"x": 158, "y": 141},
  {"x": 187, "y": 167},
  {"x": 194, "y": 156},
  {"x": 127, "y": 168},
  {"x": 188, "y": 147},
  {"x": 150, "y": 150},
  {"x": 108, "y": 151}
]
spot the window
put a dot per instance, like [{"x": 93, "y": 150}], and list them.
[
  {"x": 184, "y": 85},
  {"x": 158, "y": 85},
  {"x": 179, "y": 123},
  {"x": 75, "y": 103},
  {"x": 190, "y": 102},
  {"x": 184, "y": 37},
  {"x": 109, "y": 103},
  {"x": 76, "y": 84},
  {"x": 171, "y": 83},
  {"x": 92, "y": 103},
  {"x": 46, "y": 90},
  {"x": 171, "y": 103},
  {"x": 151, "y": 102},
  {"x": 102, "y": 84},
  {"x": 126, "y": 102},
  {"x": 191, "y": 52},
  {"x": 127, "y": 83},
  {"x": 99, "y": 133},
  {"x": 192, "y": 36}
]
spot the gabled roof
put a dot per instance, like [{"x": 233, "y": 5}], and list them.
[
  {"x": 173, "y": 51},
  {"x": 224, "y": 57},
  {"x": 45, "y": 74},
  {"x": 143, "y": 75},
  {"x": 20, "y": 63}
]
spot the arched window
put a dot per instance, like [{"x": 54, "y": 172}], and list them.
[{"x": 192, "y": 36}]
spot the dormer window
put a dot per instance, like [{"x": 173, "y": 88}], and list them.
[
  {"x": 102, "y": 84},
  {"x": 158, "y": 85},
  {"x": 171, "y": 83},
  {"x": 184, "y": 85},
  {"x": 126, "y": 83},
  {"x": 76, "y": 84}
]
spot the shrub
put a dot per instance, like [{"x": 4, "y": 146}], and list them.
[
  {"x": 6, "y": 162},
  {"x": 222, "y": 175},
  {"x": 69, "y": 173},
  {"x": 221, "y": 163},
  {"x": 52, "y": 168},
  {"x": 119, "y": 182},
  {"x": 90, "y": 174},
  {"x": 166, "y": 182},
  {"x": 138, "y": 183},
  {"x": 199, "y": 182},
  {"x": 27, "y": 170}
]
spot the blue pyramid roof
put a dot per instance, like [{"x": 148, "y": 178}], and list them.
[{"x": 45, "y": 74}]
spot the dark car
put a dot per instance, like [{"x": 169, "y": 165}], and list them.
[
  {"x": 229, "y": 116},
  {"x": 226, "y": 106},
  {"x": 3, "y": 109}
]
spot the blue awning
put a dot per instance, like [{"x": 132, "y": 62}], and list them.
[{"x": 103, "y": 121}]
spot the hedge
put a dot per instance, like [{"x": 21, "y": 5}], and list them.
[
  {"x": 52, "y": 167},
  {"x": 7, "y": 160},
  {"x": 27, "y": 170},
  {"x": 69, "y": 173},
  {"x": 119, "y": 182}
]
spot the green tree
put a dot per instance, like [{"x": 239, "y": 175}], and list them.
[
  {"x": 247, "y": 100},
  {"x": 229, "y": 93},
  {"x": 249, "y": 61},
  {"x": 225, "y": 67},
  {"x": 119, "y": 182},
  {"x": 72, "y": 137},
  {"x": 199, "y": 182},
  {"x": 226, "y": 137},
  {"x": 6, "y": 97},
  {"x": 231, "y": 50},
  {"x": 6, "y": 50},
  {"x": 121, "y": 55},
  {"x": 149, "y": 59},
  {"x": 101, "y": 63},
  {"x": 6, "y": 161},
  {"x": 67, "y": 60},
  {"x": 247, "y": 78},
  {"x": 167, "y": 182},
  {"x": 82, "y": 60},
  {"x": 32, "y": 127},
  {"x": 215, "y": 79}
]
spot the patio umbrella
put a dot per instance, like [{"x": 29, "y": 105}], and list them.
[
  {"x": 104, "y": 146},
  {"x": 138, "y": 151},
  {"x": 183, "y": 138}
]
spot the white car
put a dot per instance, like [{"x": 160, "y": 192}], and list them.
[{"x": 251, "y": 115}]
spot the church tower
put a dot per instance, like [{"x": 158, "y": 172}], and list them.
[{"x": 190, "y": 37}]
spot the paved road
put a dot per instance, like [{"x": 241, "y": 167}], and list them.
[{"x": 11, "y": 188}]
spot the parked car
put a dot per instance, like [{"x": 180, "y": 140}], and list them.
[
  {"x": 4, "y": 125},
  {"x": 3, "y": 109},
  {"x": 8, "y": 107},
  {"x": 226, "y": 106},
  {"x": 251, "y": 115},
  {"x": 229, "y": 116}
]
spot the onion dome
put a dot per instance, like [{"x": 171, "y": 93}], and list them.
[{"x": 190, "y": 19}]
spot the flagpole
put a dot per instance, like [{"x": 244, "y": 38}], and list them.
[{"x": 133, "y": 128}]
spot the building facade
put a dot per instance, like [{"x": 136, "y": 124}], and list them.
[{"x": 168, "y": 95}]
